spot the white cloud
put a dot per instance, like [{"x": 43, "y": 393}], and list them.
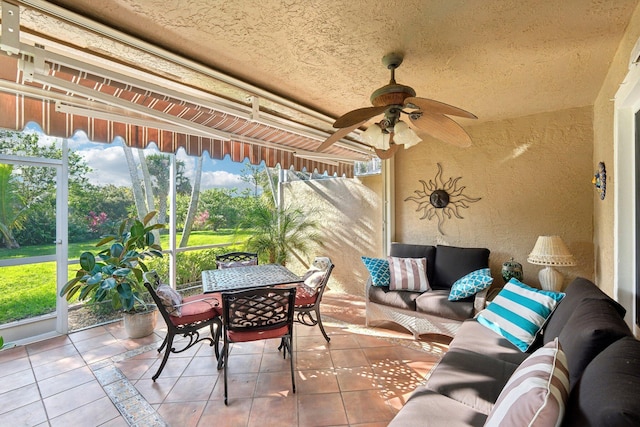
[
  {"x": 108, "y": 164},
  {"x": 110, "y": 167},
  {"x": 222, "y": 179},
  {"x": 210, "y": 178}
]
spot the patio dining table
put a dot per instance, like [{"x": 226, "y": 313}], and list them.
[{"x": 253, "y": 276}]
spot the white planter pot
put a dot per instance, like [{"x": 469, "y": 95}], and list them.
[{"x": 139, "y": 325}]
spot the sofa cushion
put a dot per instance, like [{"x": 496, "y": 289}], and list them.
[
  {"x": 472, "y": 336},
  {"x": 470, "y": 284},
  {"x": 406, "y": 250},
  {"x": 452, "y": 263},
  {"x": 437, "y": 303},
  {"x": 378, "y": 269},
  {"x": 607, "y": 393},
  {"x": 518, "y": 312},
  {"x": 408, "y": 274},
  {"x": 594, "y": 324},
  {"x": 536, "y": 393},
  {"x": 428, "y": 408},
  {"x": 578, "y": 290},
  {"x": 397, "y": 299},
  {"x": 471, "y": 378}
]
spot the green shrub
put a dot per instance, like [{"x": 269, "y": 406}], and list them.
[{"x": 189, "y": 265}]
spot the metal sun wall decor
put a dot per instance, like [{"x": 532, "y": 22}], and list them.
[
  {"x": 441, "y": 199},
  {"x": 600, "y": 180}
]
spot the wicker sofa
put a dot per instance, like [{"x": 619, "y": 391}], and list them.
[{"x": 429, "y": 312}]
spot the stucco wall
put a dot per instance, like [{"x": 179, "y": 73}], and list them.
[
  {"x": 533, "y": 175},
  {"x": 351, "y": 224},
  {"x": 603, "y": 124}
]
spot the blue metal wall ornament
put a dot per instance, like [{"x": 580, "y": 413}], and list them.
[
  {"x": 600, "y": 180},
  {"x": 441, "y": 199}
]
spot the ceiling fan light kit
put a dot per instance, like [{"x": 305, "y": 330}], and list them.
[
  {"x": 376, "y": 137},
  {"x": 393, "y": 100},
  {"x": 404, "y": 135}
]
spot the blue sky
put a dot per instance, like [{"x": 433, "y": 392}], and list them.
[{"x": 109, "y": 166}]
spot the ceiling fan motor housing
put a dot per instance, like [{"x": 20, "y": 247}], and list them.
[{"x": 391, "y": 94}]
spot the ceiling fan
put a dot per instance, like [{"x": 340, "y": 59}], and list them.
[{"x": 393, "y": 100}]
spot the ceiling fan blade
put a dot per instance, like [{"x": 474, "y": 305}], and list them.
[
  {"x": 339, "y": 134},
  {"x": 357, "y": 116},
  {"x": 443, "y": 128},
  {"x": 437, "y": 107}
]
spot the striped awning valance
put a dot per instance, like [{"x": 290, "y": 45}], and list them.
[{"x": 63, "y": 100}]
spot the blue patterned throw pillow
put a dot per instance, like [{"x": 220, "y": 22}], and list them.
[
  {"x": 378, "y": 269},
  {"x": 518, "y": 312},
  {"x": 471, "y": 284}
]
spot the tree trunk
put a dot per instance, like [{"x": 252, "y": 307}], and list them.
[
  {"x": 193, "y": 205},
  {"x": 271, "y": 187},
  {"x": 7, "y": 212},
  {"x": 7, "y": 236},
  {"x": 136, "y": 186},
  {"x": 148, "y": 188},
  {"x": 148, "y": 192}
]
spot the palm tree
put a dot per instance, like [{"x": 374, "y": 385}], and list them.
[
  {"x": 10, "y": 217},
  {"x": 280, "y": 232}
]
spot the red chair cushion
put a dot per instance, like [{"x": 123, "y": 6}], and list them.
[
  {"x": 304, "y": 299},
  {"x": 198, "y": 308},
  {"x": 305, "y": 295},
  {"x": 214, "y": 295},
  {"x": 240, "y": 336}
]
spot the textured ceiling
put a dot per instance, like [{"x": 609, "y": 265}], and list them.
[{"x": 495, "y": 58}]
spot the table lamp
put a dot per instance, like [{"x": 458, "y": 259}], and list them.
[{"x": 551, "y": 251}]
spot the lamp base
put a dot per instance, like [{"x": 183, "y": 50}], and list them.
[{"x": 550, "y": 279}]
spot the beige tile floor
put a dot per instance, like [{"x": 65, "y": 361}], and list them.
[{"x": 98, "y": 377}]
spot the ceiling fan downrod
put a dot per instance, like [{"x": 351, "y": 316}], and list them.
[{"x": 393, "y": 93}]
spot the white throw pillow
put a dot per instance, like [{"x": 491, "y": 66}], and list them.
[
  {"x": 170, "y": 298},
  {"x": 537, "y": 392},
  {"x": 408, "y": 274}
]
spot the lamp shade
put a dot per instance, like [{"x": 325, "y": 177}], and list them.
[
  {"x": 374, "y": 136},
  {"x": 551, "y": 250},
  {"x": 404, "y": 135}
]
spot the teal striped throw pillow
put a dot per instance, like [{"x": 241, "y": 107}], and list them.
[{"x": 518, "y": 312}]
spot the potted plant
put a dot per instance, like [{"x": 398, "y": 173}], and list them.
[{"x": 115, "y": 273}]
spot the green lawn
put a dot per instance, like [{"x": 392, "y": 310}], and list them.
[
  {"x": 197, "y": 238},
  {"x": 27, "y": 291}
]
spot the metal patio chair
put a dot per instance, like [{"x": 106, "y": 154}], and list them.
[
  {"x": 258, "y": 314},
  {"x": 307, "y": 307},
  {"x": 185, "y": 317},
  {"x": 236, "y": 259}
]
